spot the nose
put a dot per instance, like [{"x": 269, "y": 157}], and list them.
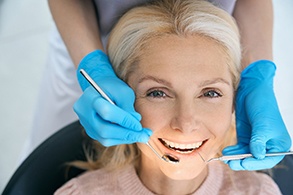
[{"x": 185, "y": 118}]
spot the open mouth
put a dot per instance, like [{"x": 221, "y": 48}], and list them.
[{"x": 181, "y": 148}]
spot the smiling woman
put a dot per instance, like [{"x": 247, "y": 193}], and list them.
[
  {"x": 188, "y": 105},
  {"x": 182, "y": 59}
]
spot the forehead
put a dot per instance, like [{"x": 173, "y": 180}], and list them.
[{"x": 184, "y": 56}]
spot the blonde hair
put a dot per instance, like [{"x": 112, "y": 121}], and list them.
[
  {"x": 171, "y": 17},
  {"x": 142, "y": 24}
]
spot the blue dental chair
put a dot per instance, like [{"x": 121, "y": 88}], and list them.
[{"x": 45, "y": 169}]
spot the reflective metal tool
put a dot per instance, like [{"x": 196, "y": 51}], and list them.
[{"x": 242, "y": 156}]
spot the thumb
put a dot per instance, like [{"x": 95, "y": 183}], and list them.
[
  {"x": 126, "y": 99},
  {"x": 257, "y": 146},
  {"x": 128, "y": 106}
]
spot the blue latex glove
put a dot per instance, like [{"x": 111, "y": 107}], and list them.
[
  {"x": 109, "y": 124},
  {"x": 259, "y": 124}
]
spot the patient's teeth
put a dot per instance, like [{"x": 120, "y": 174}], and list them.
[
  {"x": 176, "y": 145},
  {"x": 198, "y": 144},
  {"x": 186, "y": 147}
]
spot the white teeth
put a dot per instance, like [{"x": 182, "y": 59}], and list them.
[{"x": 183, "y": 146}]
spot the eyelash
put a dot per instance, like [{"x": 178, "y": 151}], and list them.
[
  {"x": 156, "y": 94},
  {"x": 210, "y": 93},
  {"x": 216, "y": 94}
]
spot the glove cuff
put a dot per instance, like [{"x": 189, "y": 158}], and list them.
[
  {"x": 95, "y": 64},
  {"x": 261, "y": 70},
  {"x": 90, "y": 61}
]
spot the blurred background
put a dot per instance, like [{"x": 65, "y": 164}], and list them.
[{"x": 24, "y": 32}]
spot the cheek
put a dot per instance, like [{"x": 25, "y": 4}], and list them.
[
  {"x": 153, "y": 117},
  {"x": 221, "y": 131},
  {"x": 222, "y": 124},
  {"x": 218, "y": 119}
]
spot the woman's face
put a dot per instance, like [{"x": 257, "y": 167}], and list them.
[{"x": 184, "y": 93}]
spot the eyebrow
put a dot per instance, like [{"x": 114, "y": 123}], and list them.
[
  {"x": 161, "y": 81},
  {"x": 213, "y": 81},
  {"x": 167, "y": 83},
  {"x": 204, "y": 83}
]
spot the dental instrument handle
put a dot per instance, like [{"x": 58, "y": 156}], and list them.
[
  {"x": 242, "y": 156},
  {"x": 235, "y": 157},
  {"x": 230, "y": 157},
  {"x": 280, "y": 153},
  {"x": 156, "y": 153},
  {"x": 95, "y": 85}
]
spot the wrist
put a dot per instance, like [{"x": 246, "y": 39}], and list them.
[
  {"x": 261, "y": 70},
  {"x": 96, "y": 60},
  {"x": 95, "y": 55},
  {"x": 97, "y": 65}
]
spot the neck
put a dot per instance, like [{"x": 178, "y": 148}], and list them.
[{"x": 157, "y": 182}]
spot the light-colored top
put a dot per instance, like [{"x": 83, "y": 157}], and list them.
[{"x": 220, "y": 180}]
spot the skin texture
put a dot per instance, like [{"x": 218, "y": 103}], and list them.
[
  {"x": 185, "y": 95},
  {"x": 77, "y": 23},
  {"x": 255, "y": 22}
]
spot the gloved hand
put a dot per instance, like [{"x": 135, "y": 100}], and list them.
[
  {"x": 107, "y": 123},
  {"x": 259, "y": 124}
]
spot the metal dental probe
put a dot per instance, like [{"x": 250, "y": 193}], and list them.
[
  {"x": 242, "y": 156},
  {"x": 166, "y": 157}
]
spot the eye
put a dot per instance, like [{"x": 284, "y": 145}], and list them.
[
  {"x": 156, "y": 94},
  {"x": 212, "y": 94}
]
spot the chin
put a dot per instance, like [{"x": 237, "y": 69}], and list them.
[{"x": 183, "y": 171}]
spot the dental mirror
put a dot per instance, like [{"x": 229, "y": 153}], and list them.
[
  {"x": 171, "y": 158},
  {"x": 166, "y": 157}
]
